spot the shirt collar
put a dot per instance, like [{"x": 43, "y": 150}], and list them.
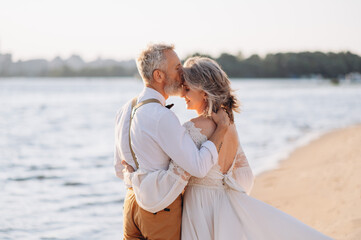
[{"x": 148, "y": 93}]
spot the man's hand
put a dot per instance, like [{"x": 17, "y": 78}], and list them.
[
  {"x": 128, "y": 167},
  {"x": 221, "y": 118}
]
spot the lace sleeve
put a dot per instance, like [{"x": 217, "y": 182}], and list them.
[
  {"x": 178, "y": 171},
  {"x": 242, "y": 172},
  {"x": 156, "y": 190}
]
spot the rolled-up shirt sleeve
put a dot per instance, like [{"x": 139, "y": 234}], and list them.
[
  {"x": 117, "y": 155},
  {"x": 179, "y": 146},
  {"x": 118, "y": 164}
]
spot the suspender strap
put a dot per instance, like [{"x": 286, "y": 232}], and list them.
[
  {"x": 135, "y": 107},
  {"x": 151, "y": 100},
  {"x": 134, "y": 102}
]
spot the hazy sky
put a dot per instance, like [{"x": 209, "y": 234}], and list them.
[{"x": 120, "y": 29}]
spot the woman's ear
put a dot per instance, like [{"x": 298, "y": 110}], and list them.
[
  {"x": 158, "y": 76},
  {"x": 205, "y": 95}
]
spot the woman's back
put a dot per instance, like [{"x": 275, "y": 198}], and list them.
[
  {"x": 207, "y": 205},
  {"x": 230, "y": 143}
]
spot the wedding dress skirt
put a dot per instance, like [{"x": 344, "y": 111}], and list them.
[{"x": 219, "y": 207}]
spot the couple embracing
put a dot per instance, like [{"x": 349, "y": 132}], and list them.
[{"x": 190, "y": 181}]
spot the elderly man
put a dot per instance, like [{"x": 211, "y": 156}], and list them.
[{"x": 147, "y": 136}]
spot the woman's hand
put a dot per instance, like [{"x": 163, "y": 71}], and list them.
[{"x": 221, "y": 118}]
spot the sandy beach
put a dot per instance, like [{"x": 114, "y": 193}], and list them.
[{"x": 320, "y": 184}]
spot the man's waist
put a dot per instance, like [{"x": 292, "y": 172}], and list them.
[{"x": 144, "y": 166}]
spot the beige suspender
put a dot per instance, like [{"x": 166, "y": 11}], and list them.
[
  {"x": 134, "y": 101},
  {"x": 132, "y": 113}
]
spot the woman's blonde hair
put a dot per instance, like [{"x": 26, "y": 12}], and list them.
[{"x": 205, "y": 74}]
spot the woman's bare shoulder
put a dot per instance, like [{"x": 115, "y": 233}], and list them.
[{"x": 206, "y": 125}]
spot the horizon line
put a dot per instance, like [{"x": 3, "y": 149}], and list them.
[{"x": 187, "y": 55}]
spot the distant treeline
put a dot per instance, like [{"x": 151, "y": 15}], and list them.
[
  {"x": 74, "y": 66},
  {"x": 290, "y": 65},
  {"x": 108, "y": 71},
  {"x": 278, "y": 65}
]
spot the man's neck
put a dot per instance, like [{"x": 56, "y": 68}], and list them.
[{"x": 158, "y": 89}]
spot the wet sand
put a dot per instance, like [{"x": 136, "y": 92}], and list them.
[{"x": 320, "y": 184}]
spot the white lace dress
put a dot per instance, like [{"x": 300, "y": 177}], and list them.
[{"x": 219, "y": 207}]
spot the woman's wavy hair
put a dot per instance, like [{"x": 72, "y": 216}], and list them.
[{"x": 205, "y": 74}]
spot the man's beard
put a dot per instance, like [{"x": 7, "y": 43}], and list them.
[{"x": 172, "y": 87}]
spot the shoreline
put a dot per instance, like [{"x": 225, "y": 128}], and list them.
[
  {"x": 284, "y": 154},
  {"x": 319, "y": 183}
]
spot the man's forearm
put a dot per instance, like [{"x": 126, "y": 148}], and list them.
[{"x": 218, "y": 135}]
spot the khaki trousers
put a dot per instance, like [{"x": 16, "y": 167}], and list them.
[{"x": 140, "y": 224}]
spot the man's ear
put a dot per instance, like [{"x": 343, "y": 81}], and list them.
[{"x": 158, "y": 75}]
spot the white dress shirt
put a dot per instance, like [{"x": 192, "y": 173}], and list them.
[{"x": 157, "y": 136}]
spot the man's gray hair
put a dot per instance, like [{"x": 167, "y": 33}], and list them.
[{"x": 152, "y": 58}]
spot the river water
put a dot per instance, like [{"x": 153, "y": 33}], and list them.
[{"x": 56, "y": 145}]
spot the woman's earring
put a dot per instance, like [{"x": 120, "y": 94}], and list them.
[{"x": 205, "y": 101}]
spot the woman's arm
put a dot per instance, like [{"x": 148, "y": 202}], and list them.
[
  {"x": 146, "y": 185},
  {"x": 242, "y": 172}
]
